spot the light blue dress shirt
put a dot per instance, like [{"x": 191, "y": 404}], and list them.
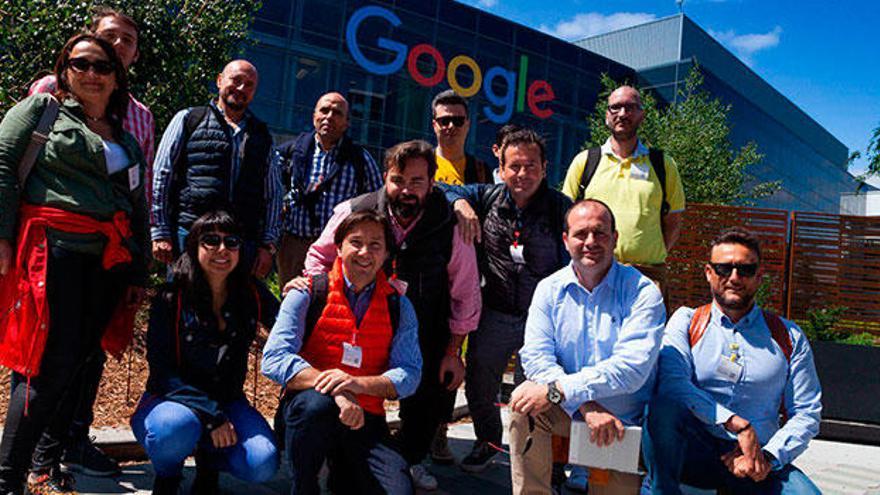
[
  {"x": 601, "y": 345},
  {"x": 281, "y": 361},
  {"x": 689, "y": 375}
]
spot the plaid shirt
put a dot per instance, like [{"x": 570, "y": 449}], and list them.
[{"x": 344, "y": 186}]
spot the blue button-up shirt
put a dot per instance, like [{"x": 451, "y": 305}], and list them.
[
  {"x": 689, "y": 375},
  {"x": 281, "y": 361},
  {"x": 601, "y": 345}
]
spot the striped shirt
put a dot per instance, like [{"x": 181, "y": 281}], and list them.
[
  {"x": 166, "y": 157},
  {"x": 344, "y": 186}
]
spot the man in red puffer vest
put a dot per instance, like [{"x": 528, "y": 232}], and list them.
[{"x": 340, "y": 349}]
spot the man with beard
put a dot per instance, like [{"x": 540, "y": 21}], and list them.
[
  {"x": 320, "y": 169},
  {"x": 217, "y": 157},
  {"x": 519, "y": 223},
  {"x": 726, "y": 372},
  {"x": 439, "y": 273},
  {"x": 641, "y": 185}
]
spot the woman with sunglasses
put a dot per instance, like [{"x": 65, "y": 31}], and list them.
[
  {"x": 202, "y": 324},
  {"x": 73, "y": 245}
]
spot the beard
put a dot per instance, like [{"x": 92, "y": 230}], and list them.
[
  {"x": 230, "y": 102},
  {"x": 740, "y": 303},
  {"x": 406, "y": 209}
]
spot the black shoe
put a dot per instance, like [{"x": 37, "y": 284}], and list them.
[
  {"x": 166, "y": 485},
  {"x": 83, "y": 457},
  {"x": 479, "y": 458},
  {"x": 207, "y": 481}
]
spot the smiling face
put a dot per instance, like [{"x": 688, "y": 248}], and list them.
[
  {"x": 735, "y": 292},
  {"x": 217, "y": 261},
  {"x": 407, "y": 189},
  {"x": 590, "y": 237},
  {"x": 522, "y": 169},
  {"x": 363, "y": 251},
  {"x": 237, "y": 85},
  {"x": 88, "y": 85}
]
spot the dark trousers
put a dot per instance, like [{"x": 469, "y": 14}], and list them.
[
  {"x": 81, "y": 297},
  {"x": 361, "y": 461},
  {"x": 422, "y": 412}
]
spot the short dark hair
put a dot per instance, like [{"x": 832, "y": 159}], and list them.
[
  {"x": 397, "y": 155},
  {"x": 738, "y": 235},
  {"x": 504, "y": 131},
  {"x": 103, "y": 11},
  {"x": 581, "y": 202},
  {"x": 523, "y": 136},
  {"x": 358, "y": 217},
  {"x": 448, "y": 97}
]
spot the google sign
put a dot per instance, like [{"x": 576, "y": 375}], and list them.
[{"x": 518, "y": 94}]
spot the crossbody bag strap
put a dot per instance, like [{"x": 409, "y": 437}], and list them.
[{"x": 38, "y": 140}]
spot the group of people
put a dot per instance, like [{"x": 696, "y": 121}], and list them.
[{"x": 387, "y": 272}]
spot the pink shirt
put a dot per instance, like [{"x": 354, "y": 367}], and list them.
[{"x": 464, "y": 278}]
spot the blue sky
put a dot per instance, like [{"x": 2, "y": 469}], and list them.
[{"x": 823, "y": 56}]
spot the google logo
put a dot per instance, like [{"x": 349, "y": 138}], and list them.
[{"x": 518, "y": 94}]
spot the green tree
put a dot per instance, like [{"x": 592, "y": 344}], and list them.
[
  {"x": 873, "y": 155},
  {"x": 693, "y": 130},
  {"x": 183, "y": 45}
]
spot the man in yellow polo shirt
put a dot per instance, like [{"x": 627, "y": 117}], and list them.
[
  {"x": 451, "y": 125},
  {"x": 625, "y": 177}
]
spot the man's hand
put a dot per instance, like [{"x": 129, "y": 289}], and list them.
[
  {"x": 296, "y": 283},
  {"x": 350, "y": 413},
  {"x": 451, "y": 363},
  {"x": 529, "y": 398},
  {"x": 134, "y": 296},
  {"x": 263, "y": 263},
  {"x": 746, "y": 438},
  {"x": 604, "y": 426},
  {"x": 163, "y": 251},
  {"x": 335, "y": 382},
  {"x": 224, "y": 436},
  {"x": 468, "y": 222},
  {"x": 5, "y": 257}
]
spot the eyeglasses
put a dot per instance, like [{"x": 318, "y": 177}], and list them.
[
  {"x": 743, "y": 269},
  {"x": 213, "y": 241},
  {"x": 456, "y": 120},
  {"x": 101, "y": 67},
  {"x": 619, "y": 107}
]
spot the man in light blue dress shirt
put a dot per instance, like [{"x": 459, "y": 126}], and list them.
[
  {"x": 723, "y": 381},
  {"x": 592, "y": 337}
]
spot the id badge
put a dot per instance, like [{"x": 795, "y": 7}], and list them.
[
  {"x": 728, "y": 370},
  {"x": 352, "y": 355},
  {"x": 134, "y": 177},
  {"x": 639, "y": 171},
  {"x": 516, "y": 252}
]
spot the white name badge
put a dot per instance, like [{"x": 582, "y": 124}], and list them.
[
  {"x": 134, "y": 177},
  {"x": 516, "y": 252},
  {"x": 639, "y": 171},
  {"x": 728, "y": 370},
  {"x": 352, "y": 355}
]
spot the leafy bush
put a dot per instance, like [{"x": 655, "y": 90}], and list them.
[{"x": 820, "y": 324}]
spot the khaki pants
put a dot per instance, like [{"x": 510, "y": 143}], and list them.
[
  {"x": 530, "y": 472},
  {"x": 292, "y": 256}
]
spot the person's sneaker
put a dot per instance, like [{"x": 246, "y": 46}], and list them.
[
  {"x": 440, "y": 452},
  {"x": 422, "y": 478},
  {"x": 51, "y": 483},
  {"x": 480, "y": 457},
  {"x": 83, "y": 457},
  {"x": 577, "y": 480}
]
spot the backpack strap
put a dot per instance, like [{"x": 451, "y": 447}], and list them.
[
  {"x": 779, "y": 332},
  {"x": 38, "y": 139},
  {"x": 699, "y": 323},
  {"x": 319, "y": 286},
  {"x": 658, "y": 163},
  {"x": 594, "y": 155},
  {"x": 394, "y": 311}
]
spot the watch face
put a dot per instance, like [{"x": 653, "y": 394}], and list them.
[{"x": 553, "y": 394}]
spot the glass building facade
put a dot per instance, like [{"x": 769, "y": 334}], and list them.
[{"x": 389, "y": 58}]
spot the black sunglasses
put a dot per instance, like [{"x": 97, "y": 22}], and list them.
[
  {"x": 743, "y": 269},
  {"x": 102, "y": 67},
  {"x": 213, "y": 241},
  {"x": 456, "y": 120}
]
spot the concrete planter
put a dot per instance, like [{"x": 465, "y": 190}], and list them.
[{"x": 850, "y": 377}]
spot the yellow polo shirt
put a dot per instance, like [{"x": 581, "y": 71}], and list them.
[
  {"x": 631, "y": 189},
  {"x": 449, "y": 172}
]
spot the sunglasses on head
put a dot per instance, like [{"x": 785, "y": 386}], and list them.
[
  {"x": 102, "y": 67},
  {"x": 743, "y": 269},
  {"x": 213, "y": 241},
  {"x": 456, "y": 120}
]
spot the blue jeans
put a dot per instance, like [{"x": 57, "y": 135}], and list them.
[
  {"x": 678, "y": 448},
  {"x": 170, "y": 431},
  {"x": 361, "y": 461}
]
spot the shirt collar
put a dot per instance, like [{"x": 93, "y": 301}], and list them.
[
  {"x": 746, "y": 321},
  {"x": 320, "y": 148},
  {"x": 570, "y": 278},
  {"x": 640, "y": 150},
  {"x": 349, "y": 287},
  {"x": 242, "y": 124}
]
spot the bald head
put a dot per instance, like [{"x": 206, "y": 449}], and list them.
[
  {"x": 240, "y": 65},
  {"x": 236, "y": 86},
  {"x": 628, "y": 93},
  {"x": 330, "y": 119}
]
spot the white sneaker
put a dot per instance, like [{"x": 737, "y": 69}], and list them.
[{"x": 422, "y": 478}]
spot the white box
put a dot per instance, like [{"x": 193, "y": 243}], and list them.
[{"x": 622, "y": 455}]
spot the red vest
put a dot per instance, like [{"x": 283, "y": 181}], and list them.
[{"x": 323, "y": 350}]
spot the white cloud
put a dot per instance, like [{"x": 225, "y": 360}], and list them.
[
  {"x": 747, "y": 45},
  {"x": 487, "y": 4},
  {"x": 588, "y": 24}
]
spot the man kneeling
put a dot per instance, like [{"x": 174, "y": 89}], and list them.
[
  {"x": 726, "y": 372},
  {"x": 340, "y": 349}
]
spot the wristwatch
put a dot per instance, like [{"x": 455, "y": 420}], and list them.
[{"x": 553, "y": 394}]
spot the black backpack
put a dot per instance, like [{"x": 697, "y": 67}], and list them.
[{"x": 658, "y": 163}]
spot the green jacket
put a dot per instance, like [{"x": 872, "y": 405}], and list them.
[{"x": 71, "y": 174}]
